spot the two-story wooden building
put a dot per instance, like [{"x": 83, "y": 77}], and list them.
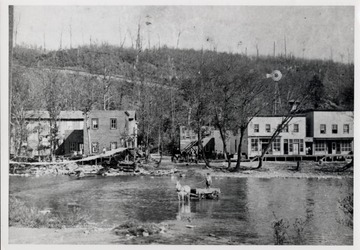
[
  {"x": 108, "y": 130},
  {"x": 330, "y": 132},
  {"x": 290, "y": 141}
]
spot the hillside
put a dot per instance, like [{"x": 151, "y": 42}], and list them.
[{"x": 161, "y": 84}]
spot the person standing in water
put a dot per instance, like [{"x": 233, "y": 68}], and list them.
[{"x": 208, "y": 180}]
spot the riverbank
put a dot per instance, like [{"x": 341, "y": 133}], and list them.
[{"x": 308, "y": 169}]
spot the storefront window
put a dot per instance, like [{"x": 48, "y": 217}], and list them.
[
  {"x": 320, "y": 146},
  {"x": 254, "y": 145},
  {"x": 346, "y": 146},
  {"x": 276, "y": 144}
]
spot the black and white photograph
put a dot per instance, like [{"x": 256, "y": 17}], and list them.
[{"x": 210, "y": 124}]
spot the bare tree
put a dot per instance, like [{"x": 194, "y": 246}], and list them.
[{"x": 247, "y": 105}]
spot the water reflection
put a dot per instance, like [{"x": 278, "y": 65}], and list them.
[{"x": 184, "y": 211}]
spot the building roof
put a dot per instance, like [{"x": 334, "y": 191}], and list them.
[
  {"x": 269, "y": 116},
  {"x": 327, "y": 110},
  {"x": 64, "y": 115},
  {"x": 73, "y": 115}
]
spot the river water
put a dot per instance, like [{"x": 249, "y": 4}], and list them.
[{"x": 244, "y": 213}]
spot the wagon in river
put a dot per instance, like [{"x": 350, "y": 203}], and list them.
[{"x": 202, "y": 193}]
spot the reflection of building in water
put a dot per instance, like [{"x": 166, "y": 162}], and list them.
[{"x": 184, "y": 211}]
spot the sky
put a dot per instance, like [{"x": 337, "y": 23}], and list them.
[{"x": 311, "y": 32}]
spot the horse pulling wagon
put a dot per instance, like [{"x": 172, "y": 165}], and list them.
[{"x": 205, "y": 193}]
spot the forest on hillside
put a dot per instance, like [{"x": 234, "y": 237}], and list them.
[{"x": 170, "y": 87}]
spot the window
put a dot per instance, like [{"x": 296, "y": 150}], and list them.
[
  {"x": 95, "y": 147},
  {"x": 301, "y": 145},
  {"x": 322, "y": 129},
  {"x": 254, "y": 145},
  {"x": 320, "y": 146},
  {"x": 296, "y": 128},
  {"x": 334, "y": 128},
  {"x": 113, "y": 145},
  {"x": 73, "y": 146},
  {"x": 346, "y": 128},
  {"x": 95, "y": 123},
  {"x": 290, "y": 145},
  {"x": 113, "y": 123},
  {"x": 276, "y": 144},
  {"x": 267, "y": 128},
  {"x": 285, "y": 128},
  {"x": 256, "y": 128},
  {"x": 345, "y": 146}
]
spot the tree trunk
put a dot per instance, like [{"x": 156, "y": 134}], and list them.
[
  {"x": 238, "y": 162},
  {"x": 261, "y": 157},
  {"x": 202, "y": 148},
  {"x": 347, "y": 166},
  {"x": 226, "y": 154},
  {"x": 260, "y": 162},
  {"x": 160, "y": 149},
  {"x": 87, "y": 131}
]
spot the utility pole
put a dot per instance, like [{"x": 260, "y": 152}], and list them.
[
  {"x": 70, "y": 31},
  {"x": 274, "y": 49},
  {"x": 44, "y": 42},
  {"x": 60, "y": 47},
  {"x": 285, "y": 45},
  {"x": 178, "y": 39},
  {"x": 331, "y": 55}
]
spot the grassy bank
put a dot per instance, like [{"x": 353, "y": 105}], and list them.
[{"x": 25, "y": 215}]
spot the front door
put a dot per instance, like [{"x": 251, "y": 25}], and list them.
[
  {"x": 333, "y": 148},
  {"x": 329, "y": 147},
  {"x": 296, "y": 148},
  {"x": 338, "y": 148},
  {"x": 286, "y": 148}
]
